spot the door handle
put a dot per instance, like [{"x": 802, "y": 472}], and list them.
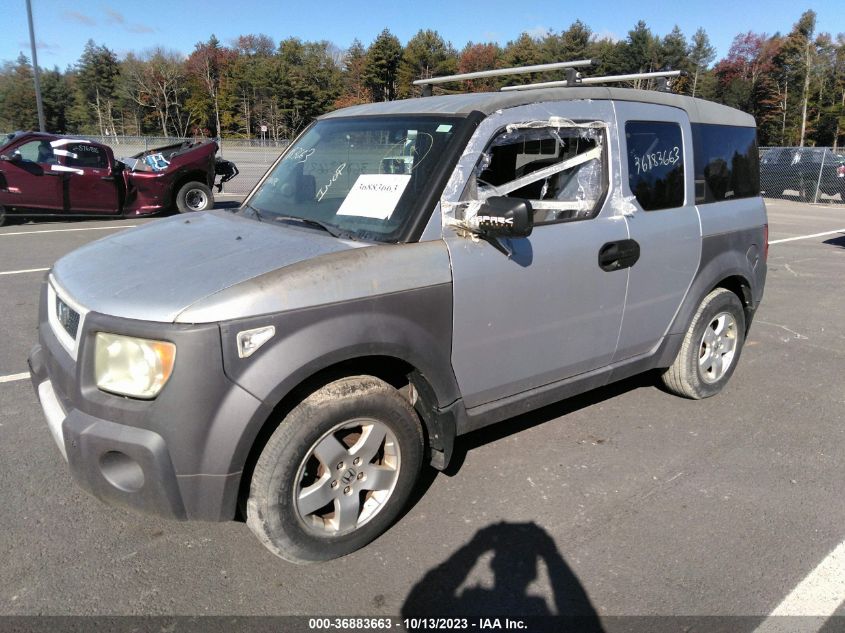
[
  {"x": 618, "y": 255},
  {"x": 108, "y": 178}
]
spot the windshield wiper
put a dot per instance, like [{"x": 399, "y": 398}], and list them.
[
  {"x": 255, "y": 212},
  {"x": 328, "y": 228}
]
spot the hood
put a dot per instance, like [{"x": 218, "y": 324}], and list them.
[{"x": 156, "y": 271}]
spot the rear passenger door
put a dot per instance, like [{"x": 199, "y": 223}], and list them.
[
  {"x": 92, "y": 186},
  {"x": 657, "y": 164}
]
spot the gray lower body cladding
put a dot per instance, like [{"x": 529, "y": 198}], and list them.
[
  {"x": 413, "y": 327},
  {"x": 182, "y": 454},
  {"x": 738, "y": 255},
  {"x": 184, "y": 442}
]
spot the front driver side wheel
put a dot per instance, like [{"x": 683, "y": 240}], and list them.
[
  {"x": 710, "y": 349},
  {"x": 336, "y": 472}
]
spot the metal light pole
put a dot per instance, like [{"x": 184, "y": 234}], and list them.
[{"x": 35, "y": 73}]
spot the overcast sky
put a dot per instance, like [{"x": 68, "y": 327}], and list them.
[{"x": 62, "y": 27}]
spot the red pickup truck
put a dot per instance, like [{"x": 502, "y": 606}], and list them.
[{"x": 49, "y": 175}]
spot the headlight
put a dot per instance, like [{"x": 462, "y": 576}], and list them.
[{"x": 132, "y": 366}]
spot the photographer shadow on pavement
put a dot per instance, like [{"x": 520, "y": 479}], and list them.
[
  {"x": 836, "y": 241},
  {"x": 517, "y": 549}
]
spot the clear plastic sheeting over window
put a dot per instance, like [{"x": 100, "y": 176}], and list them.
[
  {"x": 623, "y": 205},
  {"x": 559, "y": 169},
  {"x": 557, "y": 122},
  {"x": 460, "y": 201}
]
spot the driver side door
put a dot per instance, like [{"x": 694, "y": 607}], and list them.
[
  {"x": 547, "y": 311},
  {"x": 28, "y": 180}
]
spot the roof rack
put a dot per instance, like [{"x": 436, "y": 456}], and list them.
[
  {"x": 584, "y": 81},
  {"x": 573, "y": 77},
  {"x": 519, "y": 70}
]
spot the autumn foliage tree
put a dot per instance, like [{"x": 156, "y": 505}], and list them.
[
  {"x": 206, "y": 69},
  {"x": 476, "y": 58},
  {"x": 354, "y": 65}
]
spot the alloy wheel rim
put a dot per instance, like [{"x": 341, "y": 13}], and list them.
[
  {"x": 717, "y": 348},
  {"x": 346, "y": 477}
]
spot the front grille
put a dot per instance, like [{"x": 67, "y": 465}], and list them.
[{"x": 67, "y": 317}]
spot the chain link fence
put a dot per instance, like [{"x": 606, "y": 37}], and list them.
[
  {"x": 252, "y": 159},
  {"x": 808, "y": 174}
]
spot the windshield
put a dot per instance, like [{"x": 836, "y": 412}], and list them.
[{"x": 361, "y": 177}]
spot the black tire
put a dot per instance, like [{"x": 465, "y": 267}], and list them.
[
  {"x": 2, "y": 216},
  {"x": 686, "y": 376},
  {"x": 806, "y": 190},
  {"x": 289, "y": 464},
  {"x": 194, "y": 196}
]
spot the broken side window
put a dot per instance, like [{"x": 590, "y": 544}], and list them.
[{"x": 561, "y": 171}]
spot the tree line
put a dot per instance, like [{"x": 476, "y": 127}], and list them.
[{"x": 793, "y": 83}]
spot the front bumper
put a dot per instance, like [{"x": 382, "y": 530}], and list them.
[
  {"x": 118, "y": 464},
  {"x": 179, "y": 456}
]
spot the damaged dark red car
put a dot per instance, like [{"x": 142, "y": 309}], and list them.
[{"x": 44, "y": 175}]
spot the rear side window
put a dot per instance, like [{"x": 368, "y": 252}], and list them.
[
  {"x": 655, "y": 163},
  {"x": 84, "y": 155},
  {"x": 727, "y": 164}
]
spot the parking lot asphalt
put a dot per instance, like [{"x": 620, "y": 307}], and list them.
[{"x": 624, "y": 501}]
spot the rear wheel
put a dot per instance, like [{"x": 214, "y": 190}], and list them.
[
  {"x": 194, "y": 196},
  {"x": 806, "y": 190},
  {"x": 711, "y": 347},
  {"x": 336, "y": 472},
  {"x": 2, "y": 216}
]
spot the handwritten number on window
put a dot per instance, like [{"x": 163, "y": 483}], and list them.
[{"x": 666, "y": 158}]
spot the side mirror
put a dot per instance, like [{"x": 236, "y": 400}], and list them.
[{"x": 500, "y": 216}]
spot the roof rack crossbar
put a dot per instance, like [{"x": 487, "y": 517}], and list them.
[
  {"x": 499, "y": 72},
  {"x": 596, "y": 80}
]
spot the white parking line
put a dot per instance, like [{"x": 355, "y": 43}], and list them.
[
  {"x": 28, "y": 270},
  {"x": 806, "y": 237},
  {"x": 88, "y": 228},
  {"x": 818, "y": 595},
  {"x": 14, "y": 377}
]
